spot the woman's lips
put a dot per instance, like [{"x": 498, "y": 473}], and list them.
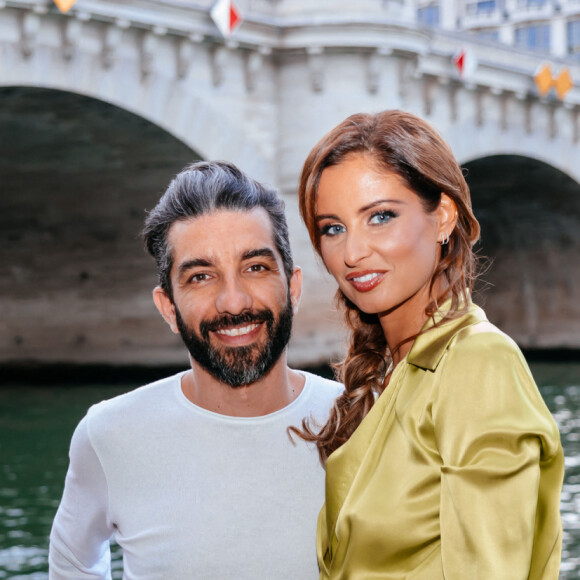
[{"x": 365, "y": 281}]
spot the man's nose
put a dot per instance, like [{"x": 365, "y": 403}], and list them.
[
  {"x": 233, "y": 297},
  {"x": 356, "y": 248}
]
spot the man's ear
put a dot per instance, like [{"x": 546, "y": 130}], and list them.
[
  {"x": 166, "y": 308},
  {"x": 296, "y": 288},
  {"x": 447, "y": 216}
]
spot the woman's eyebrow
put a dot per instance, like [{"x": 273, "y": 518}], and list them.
[
  {"x": 363, "y": 209},
  {"x": 379, "y": 202},
  {"x": 326, "y": 216}
]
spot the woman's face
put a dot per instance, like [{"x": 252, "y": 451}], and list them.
[{"x": 376, "y": 238}]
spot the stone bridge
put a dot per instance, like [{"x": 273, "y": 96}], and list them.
[{"x": 101, "y": 106}]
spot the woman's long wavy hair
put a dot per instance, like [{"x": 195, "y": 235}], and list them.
[{"x": 400, "y": 143}]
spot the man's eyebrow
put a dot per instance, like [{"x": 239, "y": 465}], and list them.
[
  {"x": 259, "y": 253},
  {"x": 206, "y": 262},
  {"x": 193, "y": 263}
]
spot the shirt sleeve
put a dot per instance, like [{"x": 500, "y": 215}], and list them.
[
  {"x": 79, "y": 539},
  {"x": 501, "y": 464}
]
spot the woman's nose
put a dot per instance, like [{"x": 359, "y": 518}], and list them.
[{"x": 356, "y": 249}]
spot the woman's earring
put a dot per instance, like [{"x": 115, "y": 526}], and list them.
[{"x": 444, "y": 239}]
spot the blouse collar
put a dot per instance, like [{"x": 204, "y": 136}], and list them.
[{"x": 430, "y": 345}]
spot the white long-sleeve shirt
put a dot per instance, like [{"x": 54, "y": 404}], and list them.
[{"x": 189, "y": 493}]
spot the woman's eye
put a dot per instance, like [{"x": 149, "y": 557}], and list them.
[
  {"x": 382, "y": 217},
  {"x": 331, "y": 230}
]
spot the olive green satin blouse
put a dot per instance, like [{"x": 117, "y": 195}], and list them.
[{"x": 455, "y": 473}]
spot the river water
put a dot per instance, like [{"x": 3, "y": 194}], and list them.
[{"x": 36, "y": 424}]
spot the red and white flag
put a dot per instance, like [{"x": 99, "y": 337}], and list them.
[
  {"x": 465, "y": 62},
  {"x": 227, "y": 16}
]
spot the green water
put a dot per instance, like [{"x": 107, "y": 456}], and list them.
[{"x": 36, "y": 424}]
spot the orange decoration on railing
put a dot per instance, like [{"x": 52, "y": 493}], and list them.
[
  {"x": 545, "y": 81},
  {"x": 64, "y": 5},
  {"x": 563, "y": 83}
]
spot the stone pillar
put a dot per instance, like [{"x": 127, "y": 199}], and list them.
[
  {"x": 507, "y": 34},
  {"x": 558, "y": 36},
  {"x": 448, "y": 15}
]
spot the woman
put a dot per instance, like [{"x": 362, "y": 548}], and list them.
[{"x": 442, "y": 459}]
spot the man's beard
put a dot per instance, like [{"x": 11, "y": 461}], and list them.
[{"x": 242, "y": 365}]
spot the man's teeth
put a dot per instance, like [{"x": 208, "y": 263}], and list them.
[
  {"x": 366, "y": 277},
  {"x": 238, "y": 331}
]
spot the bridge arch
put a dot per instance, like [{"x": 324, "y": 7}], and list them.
[
  {"x": 172, "y": 82},
  {"x": 472, "y": 142},
  {"x": 77, "y": 175},
  {"x": 529, "y": 213}
]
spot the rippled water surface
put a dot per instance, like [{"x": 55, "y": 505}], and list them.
[
  {"x": 36, "y": 424},
  {"x": 560, "y": 385}
]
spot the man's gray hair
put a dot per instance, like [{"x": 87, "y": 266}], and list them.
[{"x": 202, "y": 188}]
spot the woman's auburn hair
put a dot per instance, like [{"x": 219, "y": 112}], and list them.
[{"x": 401, "y": 143}]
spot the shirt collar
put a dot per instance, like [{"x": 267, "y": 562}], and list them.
[{"x": 430, "y": 345}]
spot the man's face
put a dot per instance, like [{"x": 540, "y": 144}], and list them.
[{"x": 231, "y": 304}]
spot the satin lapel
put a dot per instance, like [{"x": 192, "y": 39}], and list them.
[{"x": 344, "y": 464}]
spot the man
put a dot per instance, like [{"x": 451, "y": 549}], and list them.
[{"x": 195, "y": 474}]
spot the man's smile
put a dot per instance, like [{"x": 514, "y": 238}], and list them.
[
  {"x": 241, "y": 335},
  {"x": 238, "y": 331}
]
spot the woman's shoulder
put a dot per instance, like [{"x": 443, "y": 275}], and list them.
[
  {"x": 485, "y": 354},
  {"x": 468, "y": 334},
  {"x": 485, "y": 385},
  {"x": 484, "y": 339},
  {"x": 484, "y": 373}
]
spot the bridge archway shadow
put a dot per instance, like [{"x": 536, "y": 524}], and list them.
[
  {"x": 77, "y": 176},
  {"x": 529, "y": 213}
]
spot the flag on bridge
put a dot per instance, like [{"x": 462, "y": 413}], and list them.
[
  {"x": 465, "y": 62},
  {"x": 64, "y": 5},
  {"x": 226, "y": 16}
]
